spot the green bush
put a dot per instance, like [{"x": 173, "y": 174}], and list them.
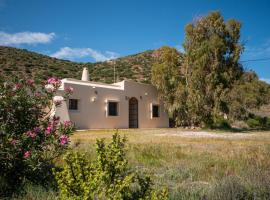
[
  {"x": 258, "y": 122},
  {"x": 107, "y": 177},
  {"x": 253, "y": 123},
  {"x": 268, "y": 123},
  {"x": 221, "y": 123}
]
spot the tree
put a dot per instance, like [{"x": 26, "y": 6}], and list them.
[
  {"x": 206, "y": 85},
  {"x": 212, "y": 53},
  {"x": 247, "y": 93},
  {"x": 170, "y": 82}
]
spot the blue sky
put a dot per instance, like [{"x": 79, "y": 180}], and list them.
[{"x": 96, "y": 30}]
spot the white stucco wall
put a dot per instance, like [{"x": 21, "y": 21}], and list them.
[{"x": 92, "y": 114}]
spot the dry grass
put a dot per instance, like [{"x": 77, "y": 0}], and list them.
[
  {"x": 192, "y": 164},
  {"x": 195, "y": 164}
]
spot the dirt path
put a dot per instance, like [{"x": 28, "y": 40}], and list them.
[{"x": 205, "y": 134}]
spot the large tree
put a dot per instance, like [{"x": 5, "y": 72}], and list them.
[
  {"x": 207, "y": 83},
  {"x": 212, "y": 66}
]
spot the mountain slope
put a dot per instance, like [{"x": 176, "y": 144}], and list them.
[{"x": 25, "y": 64}]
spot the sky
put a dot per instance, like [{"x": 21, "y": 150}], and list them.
[{"x": 98, "y": 30}]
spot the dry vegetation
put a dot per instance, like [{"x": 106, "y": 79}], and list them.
[{"x": 197, "y": 164}]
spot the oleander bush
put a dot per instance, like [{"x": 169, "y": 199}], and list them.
[
  {"x": 30, "y": 139},
  {"x": 107, "y": 177}
]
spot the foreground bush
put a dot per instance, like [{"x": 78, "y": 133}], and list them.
[
  {"x": 29, "y": 138},
  {"x": 107, "y": 177}
]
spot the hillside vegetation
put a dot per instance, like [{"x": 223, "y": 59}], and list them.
[{"x": 25, "y": 64}]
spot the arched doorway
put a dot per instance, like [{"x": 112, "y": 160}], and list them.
[{"x": 133, "y": 113}]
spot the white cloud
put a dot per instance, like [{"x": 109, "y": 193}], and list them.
[
  {"x": 25, "y": 38},
  {"x": 75, "y": 53},
  {"x": 267, "y": 80}
]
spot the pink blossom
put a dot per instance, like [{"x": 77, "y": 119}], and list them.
[
  {"x": 69, "y": 90},
  {"x": 27, "y": 154},
  {"x": 50, "y": 88},
  {"x": 13, "y": 142},
  {"x": 54, "y": 81},
  {"x": 57, "y": 102},
  {"x": 30, "y": 82},
  {"x": 38, "y": 94},
  {"x": 63, "y": 139},
  {"x": 67, "y": 124},
  {"x": 31, "y": 134},
  {"x": 49, "y": 129},
  {"x": 17, "y": 87}
]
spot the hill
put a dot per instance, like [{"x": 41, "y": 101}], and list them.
[{"x": 26, "y": 64}]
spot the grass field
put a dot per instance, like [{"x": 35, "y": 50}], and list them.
[
  {"x": 196, "y": 164},
  {"x": 192, "y": 164}
]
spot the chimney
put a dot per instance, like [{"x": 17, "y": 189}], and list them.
[{"x": 85, "y": 74}]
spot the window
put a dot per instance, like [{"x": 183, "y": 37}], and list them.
[
  {"x": 73, "y": 104},
  {"x": 112, "y": 108},
  {"x": 155, "y": 111}
]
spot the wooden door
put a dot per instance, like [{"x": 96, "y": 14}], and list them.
[{"x": 133, "y": 113}]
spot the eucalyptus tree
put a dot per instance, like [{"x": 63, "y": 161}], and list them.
[
  {"x": 169, "y": 79},
  {"x": 212, "y": 51}
]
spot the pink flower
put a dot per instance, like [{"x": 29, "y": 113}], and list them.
[
  {"x": 31, "y": 134},
  {"x": 27, "y": 154},
  {"x": 49, "y": 129},
  {"x": 17, "y": 87},
  {"x": 54, "y": 81},
  {"x": 13, "y": 142},
  {"x": 57, "y": 100},
  {"x": 69, "y": 90},
  {"x": 67, "y": 124},
  {"x": 50, "y": 88},
  {"x": 30, "y": 82},
  {"x": 38, "y": 94},
  {"x": 63, "y": 139}
]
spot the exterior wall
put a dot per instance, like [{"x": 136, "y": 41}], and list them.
[{"x": 92, "y": 106}]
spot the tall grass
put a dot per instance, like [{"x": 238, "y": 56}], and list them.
[
  {"x": 197, "y": 167},
  {"x": 34, "y": 192},
  {"x": 236, "y": 167}
]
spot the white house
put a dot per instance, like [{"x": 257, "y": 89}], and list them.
[{"x": 126, "y": 104}]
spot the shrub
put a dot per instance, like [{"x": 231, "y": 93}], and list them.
[
  {"x": 253, "y": 123},
  {"x": 221, "y": 123},
  {"x": 107, "y": 177},
  {"x": 29, "y": 138},
  {"x": 258, "y": 122},
  {"x": 268, "y": 123}
]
